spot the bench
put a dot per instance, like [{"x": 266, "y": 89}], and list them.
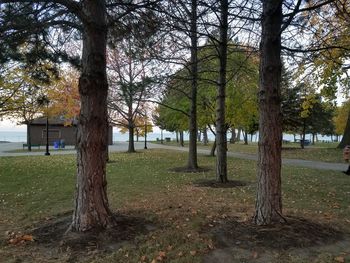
[{"x": 25, "y": 145}]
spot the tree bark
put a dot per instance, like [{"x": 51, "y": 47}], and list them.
[
  {"x": 233, "y": 135},
  {"x": 268, "y": 209},
  {"x": 213, "y": 148},
  {"x": 182, "y": 138},
  {"x": 91, "y": 209},
  {"x": 131, "y": 145},
  {"x": 192, "y": 148},
  {"x": 238, "y": 135},
  {"x": 302, "y": 140},
  {"x": 199, "y": 135},
  {"x": 346, "y": 136},
  {"x": 205, "y": 136},
  {"x": 245, "y": 137},
  {"x": 221, "y": 138}
]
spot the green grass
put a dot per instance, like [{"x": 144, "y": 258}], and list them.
[
  {"x": 42, "y": 149},
  {"x": 324, "y": 152},
  {"x": 33, "y": 189}
]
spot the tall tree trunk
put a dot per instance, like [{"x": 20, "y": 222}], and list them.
[
  {"x": 245, "y": 137},
  {"x": 131, "y": 146},
  {"x": 205, "y": 136},
  {"x": 91, "y": 209},
  {"x": 221, "y": 138},
  {"x": 233, "y": 135},
  {"x": 199, "y": 135},
  {"x": 213, "y": 148},
  {"x": 268, "y": 209},
  {"x": 29, "y": 137},
  {"x": 192, "y": 148},
  {"x": 182, "y": 138},
  {"x": 238, "y": 135},
  {"x": 302, "y": 140},
  {"x": 177, "y": 136},
  {"x": 346, "y": 136}
]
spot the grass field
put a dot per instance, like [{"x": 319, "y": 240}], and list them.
[
  {"x": 325, "y": 152},
  {"x": 186, "y": 220}
]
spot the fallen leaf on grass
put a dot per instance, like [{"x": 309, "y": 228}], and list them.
[
  {"x": 193, "y": 252},
  {"x": 169, "y": 248},
  {"x": 161, "y": 256},
  {"x": 340, "y": 259},
  {"x": 143, "y": 258},
  {"x": 20, "y": 239},
  {"x": 27, "y": 238},
  {"x": 255, "y": 254}
]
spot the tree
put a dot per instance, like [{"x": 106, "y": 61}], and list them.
[
  {"x": 142, "y": 125},
  {"x": 340, "y": 118},
  {"x": 64, "y": 96},
  {"x": 268, "y": 208},
  {"x": 91, "y": 204},
  {"x": 91, "y": 210},
  {"x": 221, "y": 127},
  {"x": 26, "y": 88},
  {"x": 132, "y": 71},
  {"x": 130, "y": 76},
  {"x": 325, "y": 27}
]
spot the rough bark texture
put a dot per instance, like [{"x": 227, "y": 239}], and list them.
[
  {"x": 346, "y": 136},
  {"x": 131, "y": 145},
  {"x": 245, "y": 136},
  {"x": 205, "y": 136},
  {"x": 192, "y": 148},
  {"x": 268, "y": 199},
  {"x": 238, "y": 135},
  {"x": 233, "y": 135},
  {"x": 213, "y": 148},
  {"x": 91, "y": 204},
  {"x": 182, "y": 138},
  {"x": 221, "y": 140}
]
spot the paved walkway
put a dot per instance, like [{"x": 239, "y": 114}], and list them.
[{"x": 123, "y": 146}]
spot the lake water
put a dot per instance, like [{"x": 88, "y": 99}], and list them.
[{"x": 21, "y": 136}]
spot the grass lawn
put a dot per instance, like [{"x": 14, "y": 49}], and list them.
[
  {"x": 324, "y": 152},
  {"x": 188, "y": 223}
]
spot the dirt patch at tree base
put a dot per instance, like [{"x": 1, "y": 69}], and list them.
[
  {"x": 54, "y": 237},
  {"x": 190, "y": 170},
  {"x": 298, "y": 238},
  {"x": 215, "y": 184}
]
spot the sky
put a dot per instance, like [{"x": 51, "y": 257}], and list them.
[{"x": 7, "y": 125}]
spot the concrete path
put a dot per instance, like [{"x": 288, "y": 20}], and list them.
[{"x": 123, "y": 146}]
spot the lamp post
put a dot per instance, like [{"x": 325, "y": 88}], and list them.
[
  {"x": 47, "y": 129},
  {"x": 47, "y": 126},
  {"x": 43, "y": 100}
]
